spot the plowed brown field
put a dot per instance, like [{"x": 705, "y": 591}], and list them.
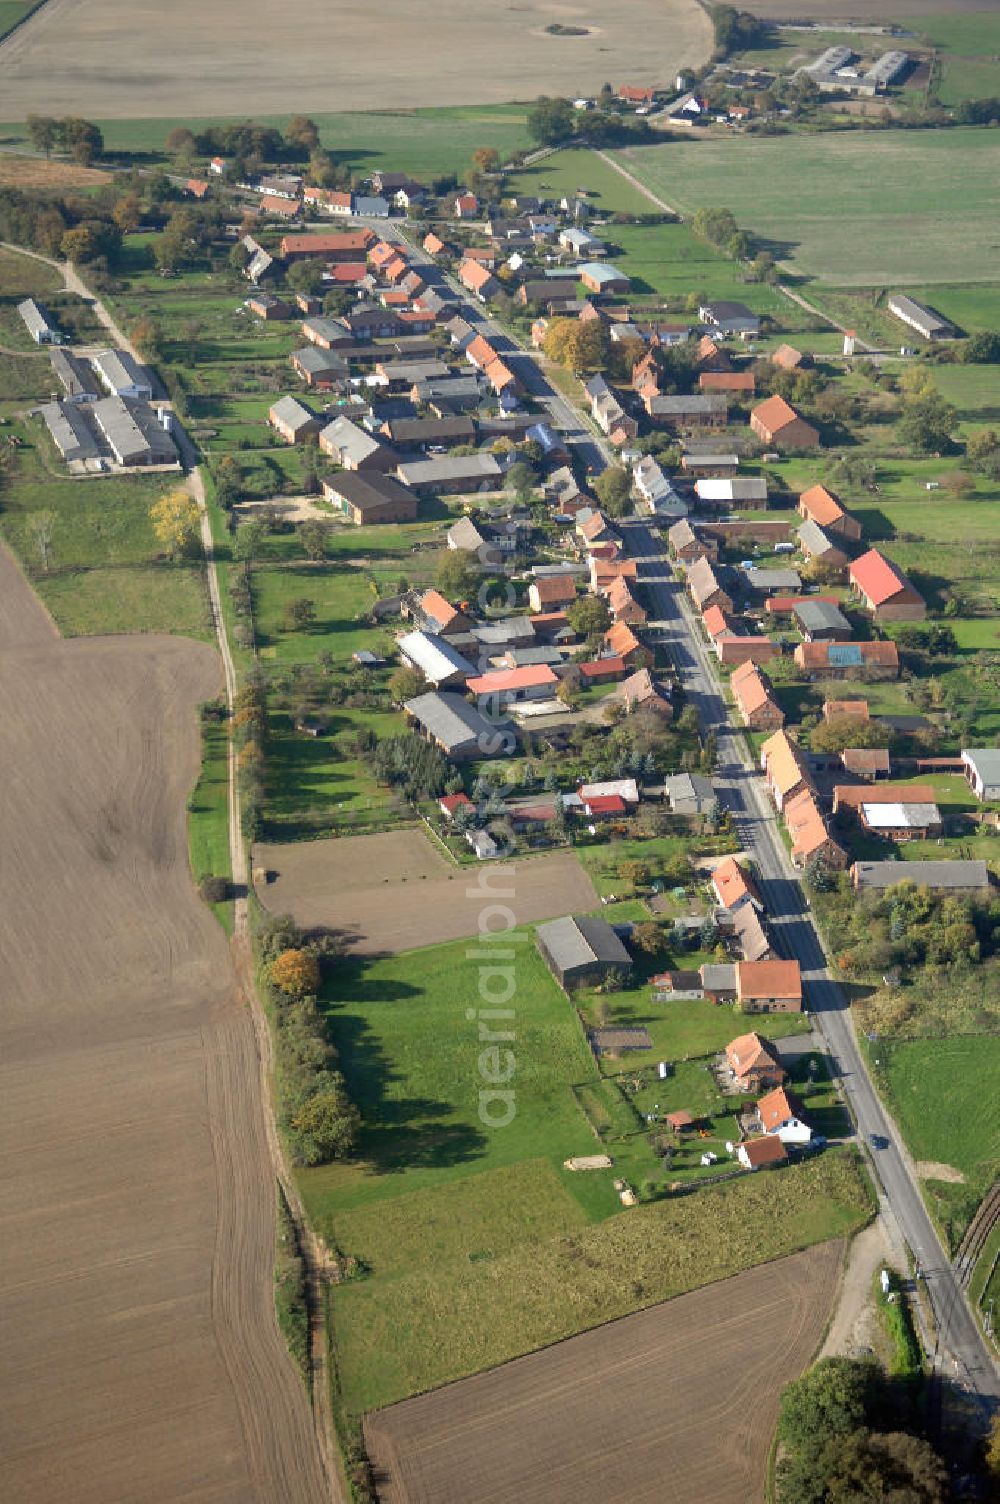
[
  {"x": 396, "y": 891},
  {"x": 675, "y": 1405},
  {"x": 141, "y": 1357},
  {"x": 114, "y": 59}
]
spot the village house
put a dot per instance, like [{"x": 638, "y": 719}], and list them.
[
  {"x": 512, "y": 685},
  {"x": 735, "y": 382},
  {"x": 908, "y": 820},
  {"x": 264, "y": 305},
  {"x": 819, "y": 506},
  {"x": 687, "y": 545},
  {"x": 690, "y": 794},
  {"x": 884, "y": 589},
  {"x": 843, "y": 660},
  {"x": 447, "y": 473},
  {"x": 276, "y": 206},
  {"x": 733, "y": 885},
  {"x": 971, "y": 878},
  {"x": 641, "y": 692},
  {"x": 749, "y": 935},
  {"x": 433, "y": 613},
  {"x": 346, "y": 245},
  {"x": 781, "y": 1116},
  {"x": 753, "y": 1063},
  {"x": 624, "y": 606},
  {"x": 478, "y": 280},
  {"x": 621, "y": 642},
  {"x": 293, "y": 420},
  {"x": 838, "y": 710},
  {"x": 786, "y": 358},
  {"x": 465, "y": 206},
  {"x": 734, "y": 649},
  {"x": 730, "y": 318},
  {"x": 550, "y": 592},
  {"x": 773, "y": 986},
  {"x": 848, "y": 798},
  {"x": 349, "y": 446},
  {"x": 821, "y": 621},
  {"x": 982, "y": 772},
  {"x": 600, "y": 278},
  {"x": 319, "y": 369},
  {"x": 370, "y": 497},
  {"x": 696, "y": 411},
  {"x": 704, "y": 587},
  {"x": 761, "y": 1153},
  {"x": 811, "y": 840},
  {"x": 820, "y": 547},
  {"x": 777, "y": 424},
  {"x": 732, "y": 491},
  {"x": 457, "y": 728},
  {"x": 866, "y": 762},
  {"x": 581, "y": 951},
  {"x": 754, "y": 698},
  {"x": 785, "y": 768},
  {"x": 441, "y": 664}
]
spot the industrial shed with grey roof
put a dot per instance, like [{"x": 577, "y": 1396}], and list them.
[
  {"x": 458, "y": 728},
  {"x": 70, "y": 431},
  {"x": 581, "y": 951}
]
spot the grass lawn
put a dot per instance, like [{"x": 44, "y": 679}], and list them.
[
  {"x": 104, "y": 574},
  {"x": 458, "y": 1314},
  {"x": 14, "y": 11},
  {"x": 944, "y": 1094},
  {"x": 969, "y": 46},
  {"x": 208, "y": 816},
  {"x": 340, "y": 594},
  {"x": 319, "y": 782},
  {"x": 565, "y": 172},
  {"x": 859, "y": 208},
  {"x": 427, "y": 143}
]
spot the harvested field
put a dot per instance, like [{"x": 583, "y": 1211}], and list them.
[
  {"x": 36, "y": 172},
  {"x": 96, "y": 60},
  {"x": 395, "y": 892},
  {"x": 679, "y": 1401},
  {"x": 142, "y": 1358}
]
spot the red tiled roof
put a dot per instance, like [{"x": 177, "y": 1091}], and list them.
[
  {"x": 327, "y": 245},
  {"x": 764, "y": 1151},
  {"x": 774, "y": 1109},
  {"x": 715, "y": 621},
  {"x": 501, "y": 679},
  {"x": 730, "y": 883},
  {"x": 606, "y": 804},
  {"x": 286, "y": 208},
  {"x": 451, "y": 802},
  {"x": 348, "y": 271},
  {"x": 755, "y": 979},
  {"x": 774, "y": 414},
  {"x": 878, "y": 578},
  {"x": 602, "y": 668},
  {"x": 749, "y": 1051}
]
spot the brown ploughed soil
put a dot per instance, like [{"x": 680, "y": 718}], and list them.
[
  {"x": 396, "y": 891},
  {"x": 141, "y": 1357},
  {"x": 111, "y": 59},
  {"x": 676, "y": 1403}
]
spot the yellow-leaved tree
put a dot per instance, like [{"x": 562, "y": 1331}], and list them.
[
  {"x": 295, "y": 972},
  {"x": 176, "y": 522}
]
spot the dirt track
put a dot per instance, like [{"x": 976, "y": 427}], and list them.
[
  {"x": 395, "y": 892},
  {"x": 141, "y": 1355},
  {"x": 112, "y": 59},
  {"x": 676, "y": 1403}
]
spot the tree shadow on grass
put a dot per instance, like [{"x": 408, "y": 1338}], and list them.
[{"x": 398, "y": 1133}]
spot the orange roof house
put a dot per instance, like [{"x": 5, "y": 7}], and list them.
[
  {"x": 841, "y": 660},
  {"x": 197, "y": 187},
  {"x": 621, "y": 641},
  {"x": 769, "y": 986},
  {"x": 633, "y": 94},
  {"x": 623, "y": 603},
  {"x": 810, "y": 837},
  {"x": 784, "y": 766},
  {"x": 757, "y": 706},
  {"x": 733, "y": 647},
  {"x": 441, "y": 612},
  {"x": 855, "y": 710},
  {"x": 480, "y": 353},
  {"x": 513, "y": 681},
  {"x": 433, "y": 244},
  {"x": 761, "y": 1153},
  {"x": 708, "y": 356},
  {"x": 733, "y": 885},
  {"x": 753, "y": 1062},
  {"x": 786, "y": 357},
  {"x": 466, "y": 205},
  {"x": 715, "y": 621},
  {"x": 727, "y": 381},
  {"x": 500, "y": 376},
  {"x": 281, "y": 208},
  {"x": 478, "y": 279},
  {"x": 819, "y": 506},
  {"x": 345, "y": 245},
  {"x": 551, "y": 590},
  {"x": 850, "y": 796},
  {"x": 776, "y": 422},
  {"x": 885, "y": 590}
]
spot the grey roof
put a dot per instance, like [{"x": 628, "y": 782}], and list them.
[
  {"x": 773, "y": 579},
  {"x": 750, "y": 932},
  {"x": 933, "y": 874},
  {"x": 702, "y": 579},
  {"x": 814, "y": 540},
  {"x": 316, "y": 361},
  {"x": 293, "y": 412},
  {"x": 601, "y": 272},
  {"x": 120, "y": 371},
  {"x": 579, "y": 940},
  {"x": 457, "y": 430},
  {"x": 689, "y": 788},
  {"x": 475, "y": 468},
  {"x": 719, "y": 976},
  {"x": 511, "y": 630},
  {"x": 259, "y": 264},
  {"x": 412, "y": 371},
  {"x": 887, "y": 67},
  {"x": 326, "y": 328},
  {"x": 985, "y": 761},
  {"x": 696, "y": 405},
  {"x": 465, "y": 535},
  {"x": 435, "y": 657},
  {"x": 821, "y": 616},
  {"x": 133, "y": 432},
  {"x": 70, "y": 431},
  {"x": 37, "y": 318},
  {"x": 531, "y": 657},
  {"x": 75, "y": 374},
  {"x": 368, "y": 490},
  {"x": 350, "y": 440},
  {"x": 918, "y": 315},
  {"x": 456, "y": 724},
  {"x": 374, "y": 207}
]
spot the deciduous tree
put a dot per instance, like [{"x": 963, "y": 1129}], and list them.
[
  {"x": 176, "y": 522},
  {"x": 295, "y": 972}
]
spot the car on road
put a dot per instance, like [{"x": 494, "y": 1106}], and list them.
[{"x": 878, "y": 1140}]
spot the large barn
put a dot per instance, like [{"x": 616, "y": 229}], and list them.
[{"x": 580, "y": 951}]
